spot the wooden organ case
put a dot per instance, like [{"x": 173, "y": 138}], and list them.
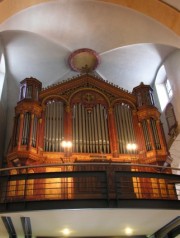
[{"x": 103, "y": 122}]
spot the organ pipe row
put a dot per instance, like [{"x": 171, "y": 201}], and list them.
[
  {"x": 90, "y": 129},
  {"x": 146, "y": 135},
  {"x": 27, "y": 124},
  {"x": 54, "y": 126},
  {"x": 124, "y": 126},
  {"x": 146, "y": 131}
]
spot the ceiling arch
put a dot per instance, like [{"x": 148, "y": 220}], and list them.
[{"x": 152, "y": 8}]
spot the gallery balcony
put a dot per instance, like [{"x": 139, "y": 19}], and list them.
[{"x": 88, "y": 185}]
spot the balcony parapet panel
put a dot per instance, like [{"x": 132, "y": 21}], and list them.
[{"x": 88, "y": 185}]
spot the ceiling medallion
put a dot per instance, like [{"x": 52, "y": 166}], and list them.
[{"x": 83, "y": 60}]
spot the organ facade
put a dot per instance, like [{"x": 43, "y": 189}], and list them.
[{"x": 102, "y": 122}]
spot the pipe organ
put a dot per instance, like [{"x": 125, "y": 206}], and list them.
[{"x": 97, "y": 117}]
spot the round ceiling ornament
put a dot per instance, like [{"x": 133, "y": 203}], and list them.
[{"x": 83, "y": 60}]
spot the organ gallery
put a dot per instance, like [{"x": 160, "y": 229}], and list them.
[{"x": 85, "y": 119}]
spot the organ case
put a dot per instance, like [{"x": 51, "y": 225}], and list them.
[{"x": 103, "y": 122}]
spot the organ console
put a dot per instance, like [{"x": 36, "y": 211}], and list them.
[{"x": 99, "y": 118}]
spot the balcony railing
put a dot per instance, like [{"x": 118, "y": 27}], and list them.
[{"x": 83, "y": 185}]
